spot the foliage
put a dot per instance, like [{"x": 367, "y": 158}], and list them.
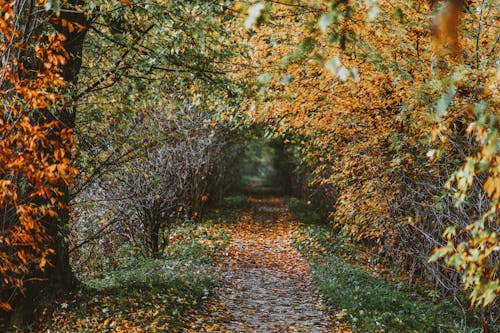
[
  {"x": 389, "y": 110},
  {"x": 302, "y": 211},
  {"x": 321, "y": 240},
  {"x": 234, "y": 202},
  {"x": 35, "y": 145},
  {"x": 148, "y": 52},
  {"x": 152, "y": 127},
  {"x": 153, "y": 49},
  {"x": 141, "y": 200}
]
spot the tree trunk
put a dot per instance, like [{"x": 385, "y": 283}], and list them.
[
  {"x": 57, "y": 277},
  {"x": 61, "y": 274}
]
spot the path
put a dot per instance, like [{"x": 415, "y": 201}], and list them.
[{"x": 264, "y": 284}]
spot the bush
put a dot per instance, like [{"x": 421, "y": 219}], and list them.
[{"x": 175, "y": 162}]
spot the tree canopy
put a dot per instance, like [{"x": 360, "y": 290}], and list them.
[{"x": 118, "y": 118}]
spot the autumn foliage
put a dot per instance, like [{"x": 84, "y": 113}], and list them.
[
  {"x": 394, "y": 105},
  {"x": 386, "y": 114},
  {"x": 35, "y": 152}
]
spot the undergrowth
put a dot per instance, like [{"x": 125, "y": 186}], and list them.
[
  {"x": 227, "y": 210},
  {"x": 302, "y": 211},
  {"x": 145, "y": 294},
  {"x": 233, "y": 202},
  {"x": 369, "y": 302}
]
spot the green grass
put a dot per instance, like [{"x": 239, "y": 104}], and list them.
[
  {"x": 234, "y": 202},
  {"x": 226, "y": 210},
  {"x": 148, "y": 294},
  {"x": 369, "y": 302}
]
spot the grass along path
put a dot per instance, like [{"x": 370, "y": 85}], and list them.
[
  {"x": 143, "y": 294},
  {"x": 369, "y": 295},
  {"x": 264, "y": 283}
]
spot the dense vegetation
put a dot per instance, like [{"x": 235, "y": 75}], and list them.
[
  {"x": 121, "y": 120},
  {"x": 357, "y": 284},
  {"x": 391, "y": 114}
]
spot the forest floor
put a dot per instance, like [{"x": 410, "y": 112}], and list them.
[
  {"x": 264, "y": 282},
  {"x": 276, "y": 264},
  {"x": 255, "y": 267}
]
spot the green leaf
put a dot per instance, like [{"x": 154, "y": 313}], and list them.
[
  {"x": 399, "y": 15},
  {"x": 444, "y": 102},
  {"x": 286, "y": 79},
  {"x": 354, "y": 74},
  {"x": 441, "y": 252},
  {"x": 450, "y": 231},
  {"x": 332, "y": 65},
  {"x": 264, "y": 79}
]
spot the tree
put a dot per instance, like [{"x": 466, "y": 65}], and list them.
[
  {"x": 41, "y": 51},
  {"x": 359, "y": 95}
]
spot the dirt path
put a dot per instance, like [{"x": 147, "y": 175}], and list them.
[{"x": 264, "y": 284}]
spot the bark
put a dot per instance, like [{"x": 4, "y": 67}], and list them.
[{"x": 59, "y": 277}]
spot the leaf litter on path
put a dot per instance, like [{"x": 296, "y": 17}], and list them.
[{"x": 264, "y": 283}]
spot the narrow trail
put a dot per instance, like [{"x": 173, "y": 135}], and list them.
[{"x": 264, "y": 283}]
